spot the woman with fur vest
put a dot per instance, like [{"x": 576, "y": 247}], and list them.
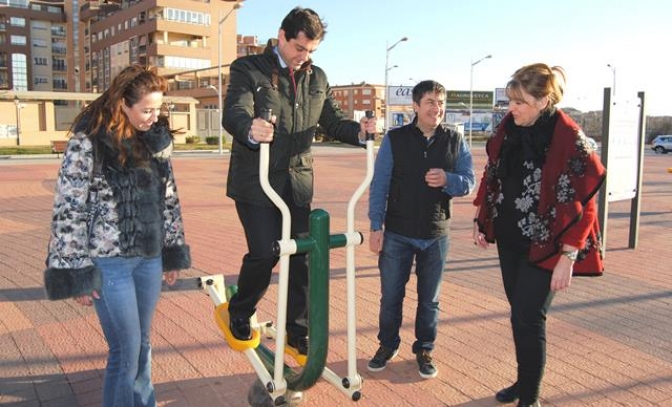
[{"x": 117, "y": 228}]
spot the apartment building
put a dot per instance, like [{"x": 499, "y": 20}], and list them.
[
  {"x": 33, "y": 44},
  {"x": 80, "y": 45},
  {"x": 360, "y": 97},
  {"x": 173, "y": 35},
  {"x": 249, "y": 45}
]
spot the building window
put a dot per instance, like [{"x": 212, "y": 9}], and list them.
[
  {"x": 38, "y": 25},
  {"x": 19, "y": 72},
  {"x": 18, "y": 40},
  {"x": 4, "y": 80},
  {"x": 185, "y": 16},
  {"x": 182, "y": 63},
  {"x": 39, "y": 44},
  {"x": 40, "y": 61},
  {"x": 40, "y": 80},
  {"x": 366, "y": 91},
  {"x": 58, "y": 46},
  {"x": 58, "y": 30},
  {"x": 17, "y": 21},
  {"x": 58, "y": 64},
  {"x": 60, "y": 83},
  {"x": 15, "y": 3}
]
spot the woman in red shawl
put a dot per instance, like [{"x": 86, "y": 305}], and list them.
[{"x": 536, "y": 201}]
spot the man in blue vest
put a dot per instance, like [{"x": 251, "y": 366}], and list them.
[{"x": 420, "y": 167}]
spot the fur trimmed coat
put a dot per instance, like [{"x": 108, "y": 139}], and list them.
[{"x": 134, "y": 211}]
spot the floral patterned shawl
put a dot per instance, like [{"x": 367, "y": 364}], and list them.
[{"x": 567, "y": 214}]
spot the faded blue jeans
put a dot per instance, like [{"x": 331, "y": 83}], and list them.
[
  {"x": 395, "y": 263},
  {"x": 130, "y": 291}
]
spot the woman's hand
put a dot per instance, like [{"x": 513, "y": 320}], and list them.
[
  {"x": 479, "y": 238},
  {"x": 170, "y": 277},
  {"x": 87, "y": 300},
  {"x": 562, "y": 274}
]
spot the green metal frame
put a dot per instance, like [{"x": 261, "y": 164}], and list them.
[{"x": 317, "y": 246}]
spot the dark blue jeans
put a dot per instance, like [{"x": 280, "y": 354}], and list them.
[
  {"x": 130, "y": 291},
  {"x": 395, "y": 263},
  {"x": 528, "y": 289}
]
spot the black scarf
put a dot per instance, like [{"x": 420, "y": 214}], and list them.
[{"x": 526, "y": 143}]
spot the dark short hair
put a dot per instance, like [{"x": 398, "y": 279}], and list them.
[
  {"x": 303, "y": 20},
  {"x": 424, "y": 87}
]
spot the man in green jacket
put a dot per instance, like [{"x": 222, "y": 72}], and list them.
[{"x": 284, "y": 80}]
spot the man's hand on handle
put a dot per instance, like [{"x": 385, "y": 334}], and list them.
[
  {"x": 367, "y": 125},
  {"x": 262, "y": 130}
]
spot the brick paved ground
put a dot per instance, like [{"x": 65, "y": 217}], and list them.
[{"x": 610, "y": 339}]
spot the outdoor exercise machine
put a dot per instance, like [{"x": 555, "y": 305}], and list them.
[{"x": 270, "y": 367}]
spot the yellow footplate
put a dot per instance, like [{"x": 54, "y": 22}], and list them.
[
  {"x": 222, "y": 318},
  {"x": 294, "y": 353}
]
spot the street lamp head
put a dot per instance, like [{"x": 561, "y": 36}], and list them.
[
  {"x": 478, "y": 61},
  {"x": 397, "y": 43},
  {"x": 16, "y": 100}
]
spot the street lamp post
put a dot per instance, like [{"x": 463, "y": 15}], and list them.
[
  {"x": 171, "y": 108},
  {"x": 471, "y": 95},
  {"x": 17, "y": 103},
  {"x": 613, "y": 71},
  {"x": 219, "y": 114},
  {"x": 219, "y": 67},
  {"x": 387, "y": 69}
]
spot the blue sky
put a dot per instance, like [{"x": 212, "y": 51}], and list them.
[{"x": 445, "y": 36}]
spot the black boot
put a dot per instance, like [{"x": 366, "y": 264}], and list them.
[
  {"x": 508, "y": 395},
  {"x": 240, "y": 328}
]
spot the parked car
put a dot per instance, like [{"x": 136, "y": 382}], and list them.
[{"x": 662, "y": 144}]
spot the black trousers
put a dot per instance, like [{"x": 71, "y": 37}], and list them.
[
  {"x": 263, "y": 226},
  {"x": 528, "y": 289}
]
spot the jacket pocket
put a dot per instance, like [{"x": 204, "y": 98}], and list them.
[
  {"x": 316, "y": 98},
  {"x": 301, "y": 171}
]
